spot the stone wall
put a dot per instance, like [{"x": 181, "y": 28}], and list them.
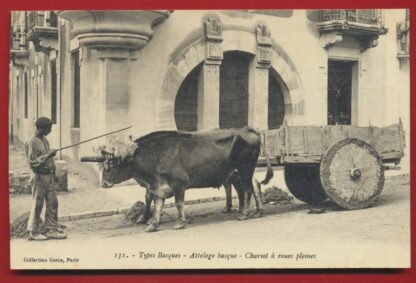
[{"x": 21, "y": 182}]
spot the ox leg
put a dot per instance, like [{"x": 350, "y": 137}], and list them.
[
  {"x": 258, "y": 199},
  {"x": 240, "y": 201},
  {"x": 247, "y": 189},
  {"x": 246, "y": 207},
  {"x": 246, "y": 172},
  {"x": 145, "y": 218},
  {"x": 246, "y": 179},
  {"x": 236, "y": 182},
  {"x": 156, "y": 214},
  {"x": 180, "y": 205},
  {"x": 229, "y": 201}
]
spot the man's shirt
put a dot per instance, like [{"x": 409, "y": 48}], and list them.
[{"x": 37, "y": 150}]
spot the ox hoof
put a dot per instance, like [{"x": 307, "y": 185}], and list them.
[
  {"x": 180, "y": 225},
  {"x": 257, "y": 214},
  {"x": 243, "y": 217},
  {"x": 142, "y": 220},
  {"x": 151, "y": 228},
  {"x": 227, "y": 210}
]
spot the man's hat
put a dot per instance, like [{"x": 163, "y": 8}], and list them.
[{"x": 43, "y": 122}]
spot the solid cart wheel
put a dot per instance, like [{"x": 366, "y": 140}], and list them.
[
  {"x": 352, "y": 174},
  {"x": 304, "y": 183}
]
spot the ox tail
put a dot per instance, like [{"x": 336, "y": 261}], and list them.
[{"x": 269, "y": 173}]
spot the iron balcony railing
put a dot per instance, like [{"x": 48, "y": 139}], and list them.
[
  {"x": 369, "y": 17},
  {"x": 18, "y": 38},
  {"x": 41, "y": 19},
  {"x": 41, "y": 25}
]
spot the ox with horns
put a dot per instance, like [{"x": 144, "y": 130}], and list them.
[{"x": 167, "y": 163}]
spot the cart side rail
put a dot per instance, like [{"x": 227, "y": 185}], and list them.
[{"x": 307, "y": 144}]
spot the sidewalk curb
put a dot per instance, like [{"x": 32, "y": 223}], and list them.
[
  {"x": 93, "y": 214},
  {"x": 121, "y": 210}
]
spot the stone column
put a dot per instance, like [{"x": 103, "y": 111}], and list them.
[
  {"x": 259, "y": 80},
  {"x": 113, "y": 76},
  {"x": 109, "y": 42},
  {"x": 209, "y": 81}
]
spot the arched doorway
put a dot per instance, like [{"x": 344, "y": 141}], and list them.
[
  {"x": 276, "y": 102},
  {"x": 234, "y": 91},
  {"x": 186, "y": 102},
  {"x": 181, "y": 65}
]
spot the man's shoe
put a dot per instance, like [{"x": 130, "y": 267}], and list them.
[
  {"x": 60, "y": 230},
  {"x": 56, "y": 235},
  {"x": 61, "y": 226},
  {"x": 37, "y": 237}
]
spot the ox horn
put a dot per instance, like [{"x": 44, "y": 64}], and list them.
[
  {"x": 103, "y": 151},
  {"x": 93, "y": 159}
]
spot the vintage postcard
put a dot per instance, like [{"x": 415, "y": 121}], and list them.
[{"x": 220, "y": 139}]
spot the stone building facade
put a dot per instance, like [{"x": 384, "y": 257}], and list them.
[{"x": 98, "y": 71}]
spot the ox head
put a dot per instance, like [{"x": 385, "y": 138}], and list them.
[{"x": 114, "y": 161}]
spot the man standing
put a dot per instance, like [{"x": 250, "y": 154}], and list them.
[{"x": 40, "y": 159}]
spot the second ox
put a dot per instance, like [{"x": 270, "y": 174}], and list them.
[{"x": 167, "y": 163}]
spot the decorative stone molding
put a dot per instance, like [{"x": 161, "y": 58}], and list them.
[
  {"x": 263, "y": 35},
  {"x": 129, "y": 30},
  {"x": 330, "y": 38},
  {"x": 20, "y": 58},
  {"x": 368, "y": 42},
  {"x": 258, "y": 90},
  {"x": 209, "y": 81},
  {"x": 264, "y": 46},
  {"x": 213, "y": 29},
  {"x": 275, "y": 13},
  {"x": 402, "y": 30},
  {"x": 44, "y": 39},
  {"x": 364, "y": 25},
  {"x": 113, "y": 40},
  {"x": 213, "y": 36}
]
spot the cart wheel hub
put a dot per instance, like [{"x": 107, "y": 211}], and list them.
[
  {"x": 355, "y": 173},
  {"x": 351, "y": 173}
]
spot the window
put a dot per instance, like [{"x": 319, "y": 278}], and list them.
[
  {"x": 26, "y": 95},
  {"x": 53, "y": 91},
  {"x": 76, "y": 90},
  {"x": 276, "y": 104},
  {"x": 339, "y": 92}
]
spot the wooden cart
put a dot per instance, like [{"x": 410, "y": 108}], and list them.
[{"x": 343, "y": 163}]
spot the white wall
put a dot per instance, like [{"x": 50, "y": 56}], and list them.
[{"x": 382, "y": 86}]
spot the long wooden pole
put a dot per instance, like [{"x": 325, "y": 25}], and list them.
[{"x": 72, "y": 145}]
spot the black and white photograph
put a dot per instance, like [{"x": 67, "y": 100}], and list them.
[{"x": 209, "y": 139}]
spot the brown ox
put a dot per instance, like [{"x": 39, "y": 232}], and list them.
[{"x": 168, "y": 163}]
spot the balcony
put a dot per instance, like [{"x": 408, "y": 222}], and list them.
[
  {"x": 18, "y": 37},
  {"x": 361, "y": 22},
  {"x": 370, "y": 17},
  {"x": 19, "y": 53},
  {"x": 364, "y": 26},
  {"x": 403, "y": 38},
  {"x": 42, "y": 30}
]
